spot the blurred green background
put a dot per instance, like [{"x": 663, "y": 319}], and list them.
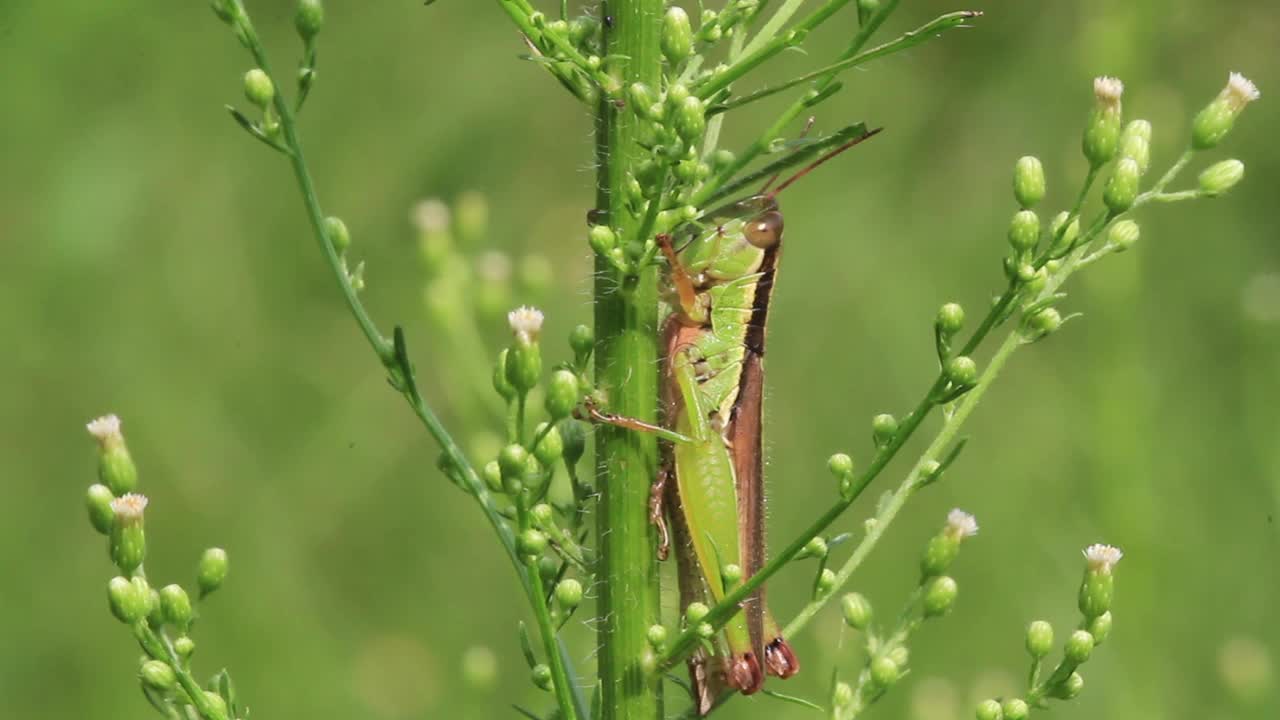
[{"x": 158, "y": 265}]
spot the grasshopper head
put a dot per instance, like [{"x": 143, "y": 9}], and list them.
[
  {"x": 780, "y": 659},
  {"x": 764, "y": 230}
]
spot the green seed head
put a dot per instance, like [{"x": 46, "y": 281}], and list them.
[
  {"x": 128, "y": 540},
  {"x": 98, "y": 501},
  {"x": 1039, "y": 639},
  {"x": 989, "y": 710},
  {"x": 722, "y": 159},
  {"x": 1102, "y": 132},
  {"x": 212, "y": 570},
  {"x": 532, "y": 542},
  {"x": 524, "y": 360},
  {"x": 309, "y": 18},
  {"x": 1028, "y": 181},
  {"x": 677, "y": 35},
  {"x": 1064, "y": 236},
  {"x": 127, "y": 603},
  {"x": 1100, "y": 628},
  {"x": 840, "y": 465},
  {"x": 1068, "y": 688},
  {"x": 550, "y": 448},
  {"x": 582, "y": 339},
  {"x": 602, "y": 239},
  {"x": 258, "y": 88},
  {"x": 574, "y": 436},
  {"x": 691, "y": 120},
  {"x": 842, "y": 696},
  {"x": 1016, "y": 709},
  {"x": 1213, "y": 123},
  {"x": 541, "y": 676},
  {"x": 542, "y": 515},
  {"x": 962, "y": 370},
  {"x": 940, "y": 596},
  {"x": 569, "y": 593},
  {"x": 1220, "y": 177},
  {"x": 1123, "y": 234},
  {"x": 884, "y": 672},
  {"x": 1135, "y": 142},
  {"x": 492, "y": 476},
  {"x": 500, "y": 382},
  {"x": 657, "y": 636},
  {"x": 950, "y": 319},
  {"x": 938, "y": 555},
  {"x": 115, "y": 467},
  {"x": 857, "y": 610},
  {"x": 175, "y": 606},
  {"x": 1098, "y": 586},
  {"x": 338, "y": 235},
  {"x": 826, "y": 581},
  {"x": 1024, "y": 231},
  {"x": 1044, "y": 321},
  {"x": 816, "y": 548},
  {"x": 184, "y": 646},
  {"x": 157, "y": 675},
  {"x": 696, "y": 612},
  {"x": 216, "y": 702},
  {"x": 562, "y": 394},
  {"x": 1122, "y": 188},
  {"x": 1079, "y": 646}
]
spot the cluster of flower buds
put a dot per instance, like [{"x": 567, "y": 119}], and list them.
[
  {"x": 117, "y": 511},
  {"x": 1064, "y": 682}
]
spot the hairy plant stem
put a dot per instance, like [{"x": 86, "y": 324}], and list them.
[
  {"x": 626, "y": 357},
  {"x": 396, "y": 362}
]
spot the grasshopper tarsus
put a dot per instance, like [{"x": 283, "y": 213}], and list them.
[{"x": 656, "y": 513}]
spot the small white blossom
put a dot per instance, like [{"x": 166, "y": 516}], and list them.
[
  {"x": 961, "y": 524},
  {"x": 431, "y": 215},
  {"x": 1102, "y": 558},
  {"x": 1108, "y": 91},
  {"x": 526, "y": 323},
  {"x": 106, "y": 430},
  {"x": 494, "y": 266},
  {"x": 1240, "y": 91},
  {"x": 129, "y": 507}
]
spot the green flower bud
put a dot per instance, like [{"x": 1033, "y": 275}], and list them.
[
  {"x": 899, "y": 655},
  {"x": 582, "y": 339},
  {"x": 258, "y": 88},
  {"x": 532, "y": 542},
  {"x": 1039, "y": 639},
  {"x": 492, "y": 476},
  {"x": 816, "y": 548},
  {"x": 840, "y": 465},
  {"x": 602, "y": 239},
  {"x": 1043, "y": 322},
  {"x": 1098, "y": 587},
  {"x": 1100, "y": 628},
  {"x": 127, "y": 603},
  {"x": 212, "y": 570},
  {"x": 222, "y": 8},
  {"x": 866, "y": 10},
  {"x": 548, "y": 568},
  {"x": 542, "y": 515},
  {"x": 677, "y": 35},
  {"x": 569, "y": 593},
  {"x": 704, "y": 630},
  {"x": 677, "y": 94},
  {"x": 128, "y": 540},
  {"x": 184, "y": 646},
  {"x": 691, "y": 120},
  {"x": 642, "y": 99},
  {"x": 1079, "y": 646},
  {"x": 1015, "y": 709},
  {"x": 938, "y": 554},
  {"x": 1135, "y": 142},
  {"x": 857, "y": 610},
  {"x": 989, "y": 710},
  {"x": 562, "y": 394},
  {"x": 696, "y": 612},
  {"x": 884, "y": 428},
  {"x": 1123, "y": 235},
  {"x": 175, "y": 606},
  {"x": 309, "y": 18},
  {"x": 842, "y": 696},
  {"x": 1214, "y": 122},
  {"x": 98, "y": 501},
  {"x": 939, "y": 596},
  {"x": 1122, "y": 188},
  {"x": 962, "y": 370},
  {"x": 216, "y": 703},
  {"x": 500, "y": 382},
  {"x": 1063, "y": 237},
  {"x": 826, "y": 581},
  {"x": 524, "y": 360},
  {"x": 1024, "y": 231},
  {"x": 1220, "y": 177},
  {"x": 550, "y": 448},
  {"x": 657, "y": 637},
  {"x": 884, "y": 672},
  {"x": 115, "y": 467},
  {"x": 722, "y": 159},
  {"x": 1028, "y": 181},
  {"x": 574, "y": 437},
  {"x": 1102, "y": 132},
  {"x": 541, "y": 676},
  {"x": 337, "y": 232},
  {"x": 1069, "y": 688},
  {"x": 950, "y": 319},
  {"x": 158, "y": 675},
  {"x": 512, "y": 460},
  {"x": 583, "y": 28}
]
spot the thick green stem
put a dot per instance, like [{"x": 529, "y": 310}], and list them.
[{"x": 626, "y": 316}]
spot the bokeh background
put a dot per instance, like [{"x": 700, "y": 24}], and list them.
[{"x": 157, "y": 264}]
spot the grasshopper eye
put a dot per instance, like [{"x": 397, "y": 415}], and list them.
[{"x": 765, "y": 230}]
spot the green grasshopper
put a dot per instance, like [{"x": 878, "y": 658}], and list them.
[{"x": 721, "y": 282}]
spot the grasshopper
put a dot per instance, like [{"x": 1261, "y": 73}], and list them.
[{"x": 721, "y": 283}]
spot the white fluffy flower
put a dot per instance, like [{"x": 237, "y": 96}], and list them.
[
  {"x": 1240, "y": 91},
  {"x": 1102, "y": 558},
  {"x": 129, "y": 507},
  {"x": 961, "y": 524},
  {"x": 105, "y": 429},
  {"x": 1108, "y": 91},
  {"x": 526, "y": 323}
]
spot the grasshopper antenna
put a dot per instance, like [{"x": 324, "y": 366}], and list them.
[
  {"x": 814, "y": 165},
  {"x": 803, "y": 133}
]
